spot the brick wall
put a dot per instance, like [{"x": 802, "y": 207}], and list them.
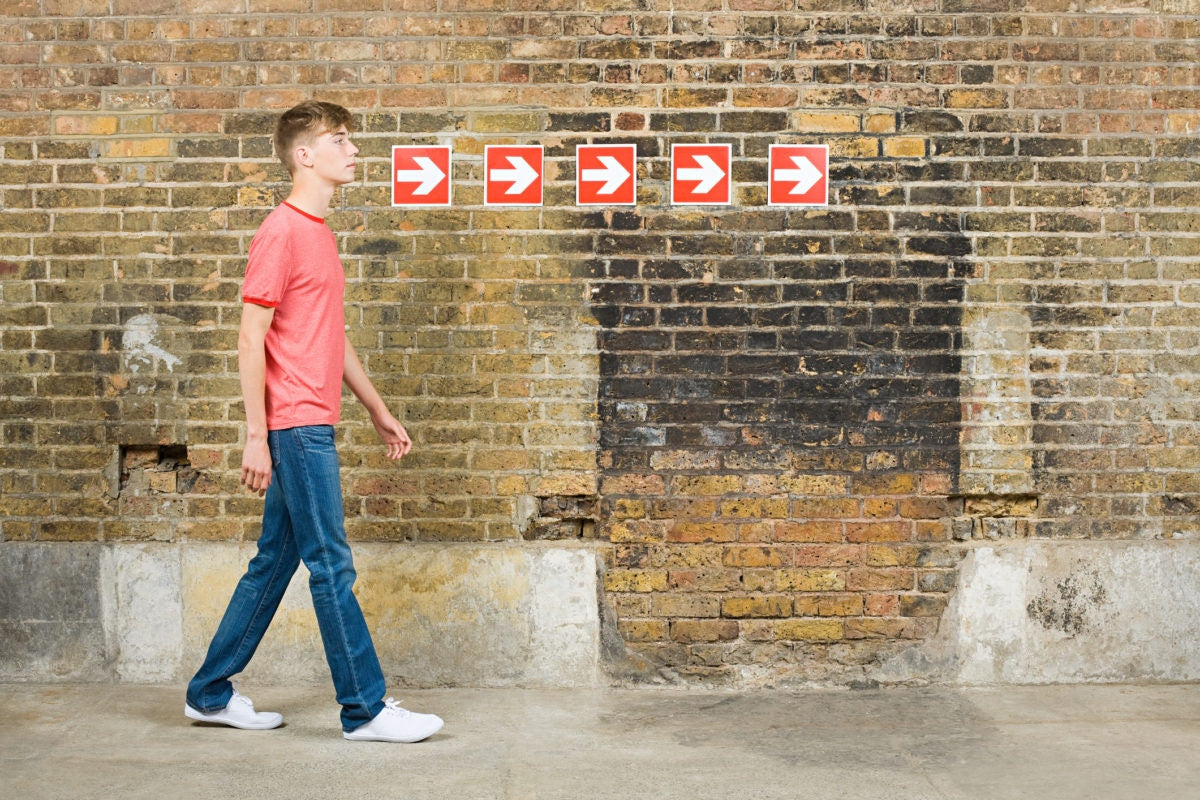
[{"x": 782, "y": 426}]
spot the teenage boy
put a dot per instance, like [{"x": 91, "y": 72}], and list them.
[{"x": 293, "y": 357}]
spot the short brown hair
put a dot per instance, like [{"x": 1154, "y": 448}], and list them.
[{"x": 307, "y": 120}]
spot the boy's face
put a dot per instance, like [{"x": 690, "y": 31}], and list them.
[{"x": 331, "y": 155}]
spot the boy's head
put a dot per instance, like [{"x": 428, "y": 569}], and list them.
[{"x": 303, "y": 124}]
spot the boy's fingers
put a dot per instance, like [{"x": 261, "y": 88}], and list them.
[{"x": 255, "y": 480}]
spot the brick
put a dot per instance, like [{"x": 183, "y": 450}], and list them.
[
  {"x": 756, "y": 557},
  {"x": 137, "y": 148},
  {"x": 685, "y": 605},
  {"x": 760, "y": 606},
  {"x": 86, "y": 125},
  {"x": 635, "y": 581},
  {"x": 829, "y": 605},
  {"x": 880, "y": 579},
  {"x": 808, "y": 531},
  {"x": 643, "y": 630},
  {"x": 810, "y": 580},
  {"x": 696, "y": 532},
  {"x": 704, "y": 630},
  {"x": 816, "y": 630}
]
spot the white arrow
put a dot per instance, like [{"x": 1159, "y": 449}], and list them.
[
  {"x": 521, "y": 175},
  {"x": 429, "y": 175},
  {"x": 613, "y": 175},
  {"x": 708, "y": 173},
  {"x": 805, "y": 175}
]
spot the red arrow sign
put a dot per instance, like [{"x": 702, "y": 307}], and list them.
[
  {"x": 798, "y": 175},
  {"x": 700, "y": 174},
  {"x": 604, "y": 174},
  {"x": 420, "y": 175},
  {"x": 513, "y": 175}
]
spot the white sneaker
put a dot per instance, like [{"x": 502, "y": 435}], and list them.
[
  {"x": 396, "y": 724},
  {"x": 239, "y": 713}
]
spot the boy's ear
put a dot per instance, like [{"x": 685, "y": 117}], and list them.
[{"x": 302, "y": 155}]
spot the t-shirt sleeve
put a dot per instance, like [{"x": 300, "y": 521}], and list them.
[{"x": 268, "y": 267}]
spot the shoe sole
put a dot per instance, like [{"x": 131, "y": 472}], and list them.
[
  {"x": 200, "y": 716},
  {"x": 351, "y": 736}
]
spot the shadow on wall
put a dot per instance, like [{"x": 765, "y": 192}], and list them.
[{"x": 780, "y": 416}]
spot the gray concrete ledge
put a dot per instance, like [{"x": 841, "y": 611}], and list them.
[
  {"x": 528, "y": 615},
  {"x": 90, "y": 742},
  {"x": 501, "y": 614},
  {"x": 1037, "y": 611}
]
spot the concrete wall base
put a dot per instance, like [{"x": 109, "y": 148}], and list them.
[
  {"x": 1036, "y": 612},
  {"x": 463, "y": 615},
  {"x": 527, "y": 615}
]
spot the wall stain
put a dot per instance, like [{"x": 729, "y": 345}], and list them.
[{"x": 1069, "y": 605}]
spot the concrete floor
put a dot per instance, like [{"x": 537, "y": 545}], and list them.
[{"x": 127, "y": 742}]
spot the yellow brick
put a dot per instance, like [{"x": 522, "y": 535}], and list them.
[
  {"x": 827, "y": 123},
  {"x": 877, "y": 507},
  {"x": 634, "y": 531},
  {"x": 685, "y": 605},
  {"x": 706, "y": 630},
  {"x": 742, "y": 508},
  {"x": 810, "y": 630},
  {"x": 705, "y": 485},
  {"x": 898, "y": 556},
  {"x": 836, "y": 605},
  {"x": 763, "y": 606},
  {"x": 140, "y": 123},
  {"x": 813, "y": 484},
  {"x": 859, "y": 532},
  {"x": 635, "y": 580},
  {"x": 854, "y": 148},
  {"x": 137, "y": 148},
  {"x": 899, "y": 483},
  {"x": 757, "y": 557},
  {"x": 643, "y": 630},
  {"x": 629, "y": 509},
  {"x": 684, "y": 531},
  {"x": 506, "y": 123},
  {"x": 86, "y": 125},
  {"x": 880, "y": 123},
  {"x": 810, "y": 580},
  {"x": 566, "y": 483},
  {"x": 904, "y": 147},
  {"x": 255, "y": 196}
]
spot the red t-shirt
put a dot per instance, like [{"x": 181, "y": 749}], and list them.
[{"x": 294, "y": 268}]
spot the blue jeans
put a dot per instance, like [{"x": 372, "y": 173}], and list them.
[{"x": 302, "y": 519}]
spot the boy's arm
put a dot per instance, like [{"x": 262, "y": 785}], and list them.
[
  {"x": 252, "y": 370},
  {"x": 387, "y": 426}
]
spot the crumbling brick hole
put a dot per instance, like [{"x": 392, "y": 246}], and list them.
[
  {"x": 564, "y": 517},
  {"x": 156, "y": 469}
]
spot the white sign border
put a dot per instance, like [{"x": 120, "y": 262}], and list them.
[
  {"x": 771, "y": 172},
  {"x": 579, "y": 174},
  {"x": 449, "y": 175},
  {"x": 541, "y": 183},
  {"x": 729, "y": 198}
]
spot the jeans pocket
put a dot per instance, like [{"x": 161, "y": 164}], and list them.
[
  {"x": 317, "y": 438},
  {"x": 274, "y": 443}
]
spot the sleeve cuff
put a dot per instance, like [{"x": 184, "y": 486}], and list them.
[{"x": 259, "y": 301}]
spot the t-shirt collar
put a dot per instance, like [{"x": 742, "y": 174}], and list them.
[{"x": 304, "y": 213}]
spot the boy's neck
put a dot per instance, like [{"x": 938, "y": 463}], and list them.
[{"x": 311, "y": 197}]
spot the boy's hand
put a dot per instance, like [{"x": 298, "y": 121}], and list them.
[
  {"x": 393, "y": 434},
  {"x": 256, "y": 466}
]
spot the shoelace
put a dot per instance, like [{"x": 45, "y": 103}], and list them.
[
  {"x": 242, "y": 699},
  {"x": 391, "y": 705}
]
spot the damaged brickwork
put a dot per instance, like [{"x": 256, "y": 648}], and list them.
[{"x": 778, "y": 427}]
